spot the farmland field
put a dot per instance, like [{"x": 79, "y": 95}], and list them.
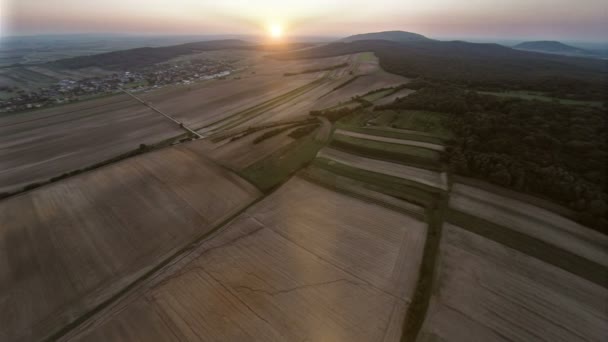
[
  {"x": 296, "y": 266},
  {"x": 36, "y": 146},
  {"x": 425, "y": 177},
  {"x": 47, "y": 143},
  {"x": 407, "y": 142},
  {"x": 487, "y": 292},
  {"x": 71, "y": 245},
  {"x": 531, "y": 220}
]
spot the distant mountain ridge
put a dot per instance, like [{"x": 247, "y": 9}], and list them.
[
  {"x": 550, "y": 46},
  {"x": 145, "y": 56},
  {"x": 394, "y": 36},
  {"x": 476, "y": 65}
]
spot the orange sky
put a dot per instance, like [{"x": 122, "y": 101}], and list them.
[{"x": 564, "y": 19}]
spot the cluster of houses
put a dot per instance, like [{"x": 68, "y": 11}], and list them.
[{"x": 69, "y": 90}]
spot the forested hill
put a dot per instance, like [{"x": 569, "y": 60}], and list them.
[
  {"x": 395, "y": 36},
  {"x": 550, "y": 47},
  {"x": 551, "y": 150},
  {"x": 146, "y": 56},
  {"x": 480, "y": 66}
]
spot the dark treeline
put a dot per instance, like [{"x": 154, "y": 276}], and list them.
[
  {"x": 480, "y": 66},
  {"x": 556, "y": 151}
]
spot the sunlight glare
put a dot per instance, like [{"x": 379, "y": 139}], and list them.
[{"x": 276, "y": 31}]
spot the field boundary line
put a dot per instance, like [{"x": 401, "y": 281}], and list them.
[
  {"x": 363, "y": 197},
  {"x": 149, "y": 105},
  {"x": 91, "y": 316},
  {"x": 417, "y": 311}
]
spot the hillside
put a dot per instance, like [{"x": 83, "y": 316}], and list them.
[
  {"x": 395, "y": 36},
  {"x": 477, "y": 65},
  {"x": 146, "y": 56},
  {"x": 555, "y": 47}
]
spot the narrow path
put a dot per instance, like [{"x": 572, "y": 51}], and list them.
[{"x": 181, "y": 124}]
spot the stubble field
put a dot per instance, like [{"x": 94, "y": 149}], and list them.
[
  {"x": 488, "y": 292},
  {"x": 67, "y": 247},
  {"x": 306, "y": 263}
]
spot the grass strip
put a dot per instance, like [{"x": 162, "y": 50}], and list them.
[
  {"x": 282, "y": 164},
  {"x": 401, "y": 154},
  {"x": 417, "y": 310},
  {"x": 400, "y": 188},
  {"x": 335, "y": 183}
]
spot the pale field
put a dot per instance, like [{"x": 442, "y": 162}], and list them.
[
  {"x": 211, "y": 101},
  {"x": 69, "y": 246},
  {"x": 430, "y": 146},
  {"x": 422, "y": 176},
  {"x": 37, "y": 146},
  {"x": 361, "y": 189},
  {"x": 488, "y": 292},
  {"x": 242, "y": 153},
  {"x": 531, "y": 220},
  {"x": 314, "y": 97},
  {"x": 372, "y": 79},
  {"x": 306, "y": 263},
  {"x": 42, "y": 144},
  {"x": 391, "y": 98},
  {"x": 205, "y": 103}
]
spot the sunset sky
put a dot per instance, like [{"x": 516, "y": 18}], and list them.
[{"x": 563, "y": 19}]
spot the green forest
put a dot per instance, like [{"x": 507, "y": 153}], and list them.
[{"x": 547, "y": 149}]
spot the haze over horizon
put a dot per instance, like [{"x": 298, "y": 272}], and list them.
[{"x": 481, "y": 19}]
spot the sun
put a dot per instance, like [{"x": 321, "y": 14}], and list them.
[{"x": 276, "y": 31}]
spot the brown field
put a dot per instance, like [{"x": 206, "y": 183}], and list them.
[
  {"x": 488, "y": 292},
  {"x": 531, "y": 220},
  {"x": 430, "y": 146},
  {"x": 37, "y": 146},
  {"x": 359, "y": 189},
  {"x": 422, "y": 176},
  {"x": 306, "y": 263},
  {"x": 68, "y": 246},
  {"x": 42, "y": 144},
  {"x": 242, "y": 153},
  {"x": 376, "y": 79}
]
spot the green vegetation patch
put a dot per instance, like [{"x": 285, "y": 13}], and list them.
[
  {"x": 378, "y": 95},
  {"x": 279, "y": 166},
  {"x": 423, "y": 121},
  {"x": 366, "y": 57},
  {"x": 417, "y": 310},
  {"x": 404, "y": 154},
  {"x": 545, "y": 149},
  {"x": 540, "y": 96},
  {"x": 526, "y": 244},
  {"x": 344, "y": 185},
  {"x": 393, "y": 186}
]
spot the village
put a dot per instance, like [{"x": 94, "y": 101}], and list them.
[{"x": 157, "y": 76}]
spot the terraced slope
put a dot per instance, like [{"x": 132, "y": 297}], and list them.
[
  {"x": 305, "y": 263},
  {"x": 425, "y": 177},
  {"x": 67, "y": 247}
]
